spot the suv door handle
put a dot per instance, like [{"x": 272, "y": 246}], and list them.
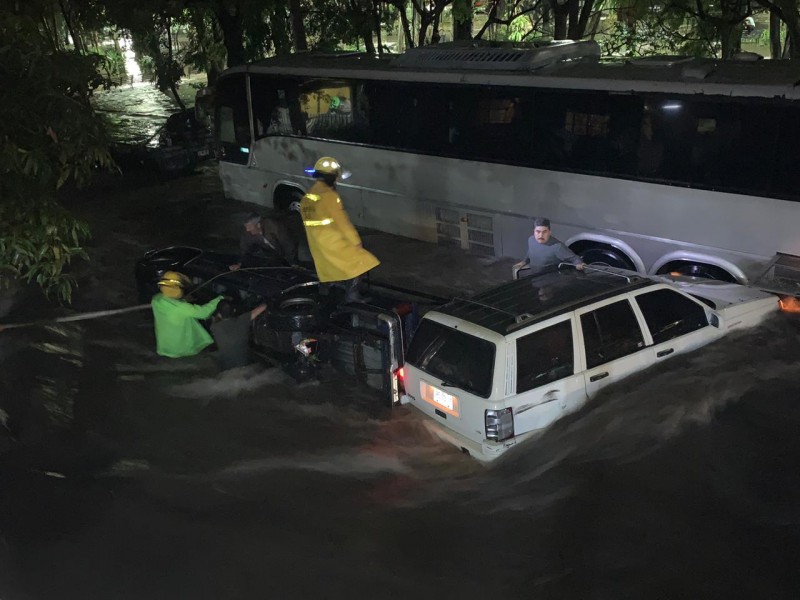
[
  {"x": 665, "y": 352},
  {"x": 598, "y": 376}
]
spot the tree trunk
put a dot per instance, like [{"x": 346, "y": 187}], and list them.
[
  {"x": 376, "y": 20},
  {"x": 72, "y": 27},
  {"x": 230, "y": 22},
  {"x": 583, "y": 20},
  {"x": 298, "y": 26},
  {"x": 401, "y": 7},
  {"x": 730, "y": 39},
  {"x": 462, "y": 19},
  {"x": 774, "y": 34},
  {"x": 436, "y": 36},
  {"x": 424, "y": 22},
  {"x": 280, "y": 30},
  {"x": 560, "y": 22},
  {"x": 170, "y": 60},
  {"x": 792, "y": 20}
]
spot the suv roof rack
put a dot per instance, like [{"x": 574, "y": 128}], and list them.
[
  {"x": 521, "y": 302},
  {"x": 500, "y": 57}
]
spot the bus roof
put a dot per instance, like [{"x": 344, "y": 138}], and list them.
[{"x": 563, "y": 66}]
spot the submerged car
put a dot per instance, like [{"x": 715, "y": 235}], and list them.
[
  {"x": 366, "y": 339},
  {"x": 177, "y": 147},
  {"x": 491, "y": 370}
]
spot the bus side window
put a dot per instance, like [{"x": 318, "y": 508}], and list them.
[
  {"x": 550, "y": 142},
  {"x": 270, "y": 108},
  {"x": 232, "y": 120},
  {"x": 488, "y": 125},
  {"x": 329, "y": 109},
  {"x": 786, "y": 180}
]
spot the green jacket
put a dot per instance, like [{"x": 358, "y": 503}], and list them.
[{"x": 178, "y": 332}]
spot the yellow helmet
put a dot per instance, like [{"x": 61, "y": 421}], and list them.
[
  {"x": 328, "y": 165},
  {"x": 172, "y": 284}
]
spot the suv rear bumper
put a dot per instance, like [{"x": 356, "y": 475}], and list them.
[{"x": 485, "y": 451}]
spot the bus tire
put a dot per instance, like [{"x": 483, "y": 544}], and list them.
[
  {"x": 693, "y": 269},
  {"x": 603, "y": 254},
  {"x": 284, "y": 196}
]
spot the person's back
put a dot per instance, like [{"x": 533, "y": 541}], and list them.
[{"x": 178, "y": 332}]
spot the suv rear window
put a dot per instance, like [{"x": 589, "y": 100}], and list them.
[{"x": 457, "y": 358}]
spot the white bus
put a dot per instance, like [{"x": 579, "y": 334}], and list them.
[{"x": 664, "y": 164}]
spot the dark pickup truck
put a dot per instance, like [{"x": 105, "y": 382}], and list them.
[{"x": 364, "y": 339}]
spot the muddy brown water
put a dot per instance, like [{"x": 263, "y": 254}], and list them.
[{"x": 131, "y": 476}]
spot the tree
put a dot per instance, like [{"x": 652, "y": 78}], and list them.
[
  {"x": 789, "y": 12},
  {"x": 49, "y": 135}
]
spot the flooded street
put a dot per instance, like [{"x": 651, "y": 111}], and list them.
[{"x": 132, "y": 476}]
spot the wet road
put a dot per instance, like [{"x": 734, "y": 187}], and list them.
[{"x": 131, "y": 476}]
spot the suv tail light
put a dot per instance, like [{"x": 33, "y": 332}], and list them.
[{"x": 499, "y": 424}]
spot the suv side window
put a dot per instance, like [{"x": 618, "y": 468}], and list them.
[
  {"x": 544, "y": 356},
  {"x": 669, "y": 314},
  {"x": 610, "y": 332}
]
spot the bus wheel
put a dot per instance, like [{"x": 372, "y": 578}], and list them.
[
  {"x": 606, "y": 255},
  {"x": 697, "y": 270},
  {"x": 284, "y": 196}
]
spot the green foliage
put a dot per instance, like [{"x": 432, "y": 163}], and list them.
[
  {"x": 49, "y": 135},
  {"x": 39, "y": 237}
]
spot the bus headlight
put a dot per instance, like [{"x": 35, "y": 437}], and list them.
[{"x": 499, "y": 424}]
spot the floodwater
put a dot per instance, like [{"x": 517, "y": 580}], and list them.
[{"x": 124, "y": 475}]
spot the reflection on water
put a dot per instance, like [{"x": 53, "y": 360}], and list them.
[{"x": 136, "y": 111}]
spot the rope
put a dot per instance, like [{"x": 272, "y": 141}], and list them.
[
  {"x": 205, "y": 283},
  {"x": 79, "y": 317},
  {"x": 118, "y": 311}
]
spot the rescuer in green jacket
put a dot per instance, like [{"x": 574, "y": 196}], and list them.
[{"x": 178, "y": 332}]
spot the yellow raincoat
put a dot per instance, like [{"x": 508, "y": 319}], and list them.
[{"x": 332, "y": 239}]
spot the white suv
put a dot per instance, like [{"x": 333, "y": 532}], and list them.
[{"x": 492, "y": 369}]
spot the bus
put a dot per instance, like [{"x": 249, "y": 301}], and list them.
[{"x": 660, "y": 164}]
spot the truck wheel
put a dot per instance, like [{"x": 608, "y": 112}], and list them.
[{"x": 294, "y": 314}]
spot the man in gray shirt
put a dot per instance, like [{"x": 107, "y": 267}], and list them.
[{"x": 545, "y": 251}]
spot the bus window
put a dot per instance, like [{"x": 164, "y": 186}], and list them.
[
  {"x": 665, "y": 128},
  {"x": 426, "y": 130},
  {"x": 591, "y": 132},
  {"x": 747, "y": 146},
  {"x": 786, "y": 180},
  {"x": 328, "y": 108},
  {"x": 408, "y": 116},
  {"x": 270, "y": 106},
  {"x": 232, "y": 120},
  {"x": 488, "y": 125}
]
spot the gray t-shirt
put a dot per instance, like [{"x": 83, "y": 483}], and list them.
[
  {"x": 232, "y": 337},
  {"x": 549, "y": 254}
]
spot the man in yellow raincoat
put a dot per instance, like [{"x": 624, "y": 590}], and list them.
[
  {"x": 334, "y": 243},
  {"x": 178, "y": 331}
]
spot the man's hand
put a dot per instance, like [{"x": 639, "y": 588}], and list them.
[
  {"x": 235, "y": 267},
  {"x": 257, "y": 311},
  {"x": 580, "y": 266},
  {"x": 519, "y": 265}
]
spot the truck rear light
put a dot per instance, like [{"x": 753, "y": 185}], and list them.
[
  {"x": 499, "y": 424},
  {"x": 400, "y": 374}
]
